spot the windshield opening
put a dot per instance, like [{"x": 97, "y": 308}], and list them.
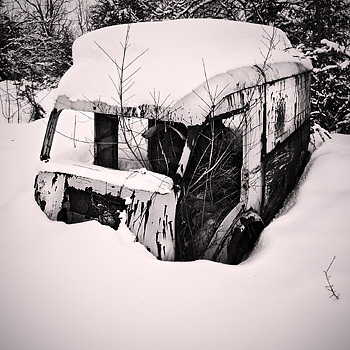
[
  {"x": 212, "y": 185},
  {"x": 166, "y": 141}
]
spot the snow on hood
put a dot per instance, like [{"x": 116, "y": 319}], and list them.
[
  {"x": 136, "y": 179},
  {"x": 171, "y": 62}
]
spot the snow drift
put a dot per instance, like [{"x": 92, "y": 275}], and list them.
[
  {"x": 86, "y": 286},
  {"x": 164, "y": 60}
]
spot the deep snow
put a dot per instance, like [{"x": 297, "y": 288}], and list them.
[
  {"x": 86, "y": 286},
  {"x": 166, "y": 61}
]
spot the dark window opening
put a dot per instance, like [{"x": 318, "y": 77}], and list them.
[
  {"x": 106, "y": 140},
  {"x": 166, "y": 141}
]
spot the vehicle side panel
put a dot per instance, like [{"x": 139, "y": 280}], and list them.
[
  {"x": 287, "y": 107},
  {"x": 149, "y": 215},
  {"x": 283, "y": 167},
  {"x": 287, "y": 133}
]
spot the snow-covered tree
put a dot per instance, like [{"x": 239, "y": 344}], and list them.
[
  {"x": 10, "y": 30},
  {"x": 311, "y": 24},
  {"x": 110, "y": 12},
  {"x": 331, "y": 89},
  {"x": 82, "y": 15},
  {"x": 36, "y": 49}
]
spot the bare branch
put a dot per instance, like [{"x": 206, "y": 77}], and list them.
[{"x": 330, "y": 286}]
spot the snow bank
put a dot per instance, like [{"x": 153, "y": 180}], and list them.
[{"x": 86, "y": 286}]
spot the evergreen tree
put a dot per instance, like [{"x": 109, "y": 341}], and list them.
[
  {"x": 111, "y": 12},
  {"x": 10, "y": 30},
  {"x": 310, "y": 22}
]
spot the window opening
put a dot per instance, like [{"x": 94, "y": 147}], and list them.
[
  {"x": 166, "y": 141},
  {"x": 106, "y": 140},
  {"x": 119, "y": 143},
  {"x": 212, "y": 185},
  {"x": 127, "y": 143}
]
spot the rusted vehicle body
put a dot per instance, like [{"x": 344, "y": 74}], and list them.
[{"x": 201, "y": 176}]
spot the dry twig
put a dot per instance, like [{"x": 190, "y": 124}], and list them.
[{"x": 330, "y": 286}]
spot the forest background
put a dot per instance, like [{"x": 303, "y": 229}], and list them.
[{"x": 37, "y": 35}]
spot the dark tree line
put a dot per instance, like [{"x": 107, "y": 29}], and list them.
[{"x": 37, "y": 36}]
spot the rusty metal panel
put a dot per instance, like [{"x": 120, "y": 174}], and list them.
[
  {"x": 287, "y": 107},
  {"x": 149, "y": 215},
  {"x": 49, "y": 192},
  {"x": 283, "y": 167}
]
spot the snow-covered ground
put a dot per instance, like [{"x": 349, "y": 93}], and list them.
[{"x": 86, "y": 286}]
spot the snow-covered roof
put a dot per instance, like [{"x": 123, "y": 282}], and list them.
[{"x": 170, "y": 60}]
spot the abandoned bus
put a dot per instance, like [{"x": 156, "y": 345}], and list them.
[{"x": 200, "y": 129}]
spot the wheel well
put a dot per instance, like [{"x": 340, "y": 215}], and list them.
[{"x": 245, "y": 235}]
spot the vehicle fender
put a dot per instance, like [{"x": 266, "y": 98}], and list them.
[{"x": 230, "y": 233}]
